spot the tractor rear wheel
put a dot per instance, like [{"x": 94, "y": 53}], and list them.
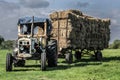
[
  {"x": 43, "y": 61},
  {"x": 69, "y": 58},
  {"x": 52, "y": 53},
  {"x": 9, "y": 61}
]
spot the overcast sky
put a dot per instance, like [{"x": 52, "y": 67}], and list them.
[{"x": 11, "y": 10}]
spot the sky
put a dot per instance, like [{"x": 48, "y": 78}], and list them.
[{"x": 12, "y": 10}]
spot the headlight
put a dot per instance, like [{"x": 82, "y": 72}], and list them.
[
  {"x": 21, "y": 48},
  {"x": 27, "y": 42},
  {"x": 20, "y": 42},
  {"x": 28, "y": 36},
  {"x": 15, "y": 50}
]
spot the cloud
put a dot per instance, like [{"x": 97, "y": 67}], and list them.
[
  {"x": 114, "y": 21},
  {"x": 6, "y": 5},
  {"x": 9, "y": 27},
  {"x": 115, "y": 27},
  {"x": 82, "y": 4},
  {"x": 34, "y": 3},
  {"x": 7, "y": 8},
  {"x": 10, "y": 13},
  {"x": 75, "y": 4}
]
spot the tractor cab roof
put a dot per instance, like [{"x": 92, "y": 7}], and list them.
[{"x": 29, "y": 20}]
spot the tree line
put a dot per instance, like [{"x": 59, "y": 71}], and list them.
[
  {"x": 8, "y": 44},
  {"x": 115, "y": 45}
]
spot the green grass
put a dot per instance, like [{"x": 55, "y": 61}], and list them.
[{"x": 86, "y": 69}]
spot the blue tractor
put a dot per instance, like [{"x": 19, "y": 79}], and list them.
[{"x": 34, "y": 43}]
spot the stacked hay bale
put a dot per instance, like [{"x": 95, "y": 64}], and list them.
[{"x": 74, "y": 29}]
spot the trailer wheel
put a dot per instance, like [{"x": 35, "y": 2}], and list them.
[
  {"x": 43, "y": 61},
  {"x": 98, "y": 55},
  {"x": 78, "y": 55},
  {"x": 9, "y": 61},
  {"x": 52, "y": 53},
  {"x": 69, "y": 58}
]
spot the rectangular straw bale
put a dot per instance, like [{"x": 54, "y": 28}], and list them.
[{"x": 81, "y": 30}]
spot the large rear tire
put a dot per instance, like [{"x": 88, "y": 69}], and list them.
[
  {"x": 52, "y": 53},
  {"x": 43, "y": 61},
  {"x": 9, "y": 61}
]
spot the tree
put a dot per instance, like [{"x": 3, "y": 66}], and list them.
[
  {"x": 7, "y": 44},
  {"x": 1, "y": 39},
  {"x": 115, "y": 45}
]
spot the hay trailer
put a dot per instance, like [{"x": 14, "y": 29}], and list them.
[
  {"x": 33, "y": 43},
  {"x": 76, "y": 31}
]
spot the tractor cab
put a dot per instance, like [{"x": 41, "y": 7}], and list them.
[{"x": 32, "y": 32}]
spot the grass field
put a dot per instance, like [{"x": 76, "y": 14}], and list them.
[{"x": 86, "y": 69}]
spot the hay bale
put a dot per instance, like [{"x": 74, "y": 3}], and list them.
[
  {"x": 64, "y": 14},
  {"x": 75, "y": 29}
]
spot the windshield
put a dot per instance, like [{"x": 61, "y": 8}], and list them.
[
  {"x": 25, "y": 29},
  {"x": 38, "y": 29}
]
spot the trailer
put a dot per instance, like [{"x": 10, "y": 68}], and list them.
[{"x": 74, "y": 30}]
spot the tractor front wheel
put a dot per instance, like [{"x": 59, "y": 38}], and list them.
[
  {"x": 43, "y": 61},
  {"x": 9, "y": 61}
]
